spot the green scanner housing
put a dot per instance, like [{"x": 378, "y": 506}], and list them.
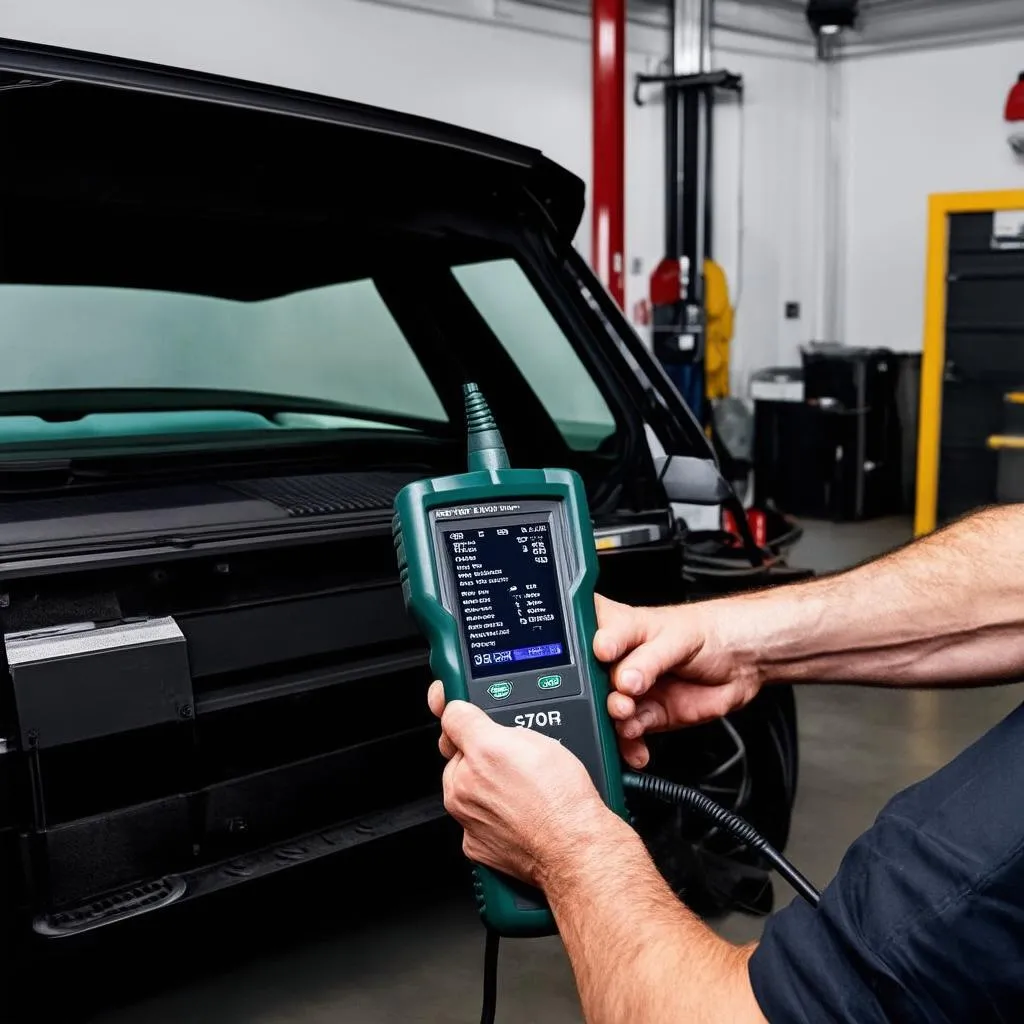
[{"x": 498, "y": 568}]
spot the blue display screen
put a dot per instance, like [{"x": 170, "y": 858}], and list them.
[
  {"x": 546, "y": 651},
  {"x": 509, "y": 602}
]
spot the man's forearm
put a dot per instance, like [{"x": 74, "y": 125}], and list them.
[
  {"x": 946, "y": 610},
  {"x": 640, "y": 957}
]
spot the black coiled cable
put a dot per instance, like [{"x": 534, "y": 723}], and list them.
[
  {"x": 490, "y": 977},
  {"x": 695, "y": 800}
]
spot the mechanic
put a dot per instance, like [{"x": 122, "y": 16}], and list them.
[{"x": 924, "y": 921}]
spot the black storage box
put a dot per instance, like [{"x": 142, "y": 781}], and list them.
[{"x": 834, "y": 451}]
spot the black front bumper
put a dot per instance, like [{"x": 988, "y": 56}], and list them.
[{"x": 127, "y": 790}]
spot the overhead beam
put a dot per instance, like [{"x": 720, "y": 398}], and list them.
[{"x": 902, "y": 25}]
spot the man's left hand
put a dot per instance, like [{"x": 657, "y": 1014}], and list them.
[{"x": 526, "y": 803}]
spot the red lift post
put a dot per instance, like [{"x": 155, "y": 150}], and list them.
[{"x": 609, "y": 146}]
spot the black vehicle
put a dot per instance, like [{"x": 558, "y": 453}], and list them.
[{"x": 234, "y": 321}]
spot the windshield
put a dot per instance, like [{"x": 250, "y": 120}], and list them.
[
  {"x": 215, "y": 272},
  {"x": 338, "y": 345}
]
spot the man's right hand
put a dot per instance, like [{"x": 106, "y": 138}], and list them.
[{"x": 671, "y": 667}]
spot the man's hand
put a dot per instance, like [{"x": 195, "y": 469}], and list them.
[
  {"x": 525, "y": 801},
  {"x": 529, "y": 810},
  {"x": 672, "y": 667}
]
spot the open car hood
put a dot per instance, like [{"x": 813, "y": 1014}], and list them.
[{"x": 417, "y": 139}]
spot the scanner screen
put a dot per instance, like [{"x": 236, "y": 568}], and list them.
[{"x": 509, "y": 601}]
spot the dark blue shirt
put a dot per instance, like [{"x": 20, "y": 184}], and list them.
[{"x": 925, "y": 920}]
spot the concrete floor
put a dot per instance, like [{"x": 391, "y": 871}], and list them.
[{"x": 348, "y": 945}]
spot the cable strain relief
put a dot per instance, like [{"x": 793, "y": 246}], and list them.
[
  {"x": 484, "y": 444},
  {"x": 478, "y": 414}
]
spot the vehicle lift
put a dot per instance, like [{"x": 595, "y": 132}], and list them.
[{"x": 677, "y": 292}]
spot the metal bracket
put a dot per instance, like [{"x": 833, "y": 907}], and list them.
[{"x": 706, "y": 81}]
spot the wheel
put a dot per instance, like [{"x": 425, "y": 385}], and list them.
[{"x": 748, "y": 763}]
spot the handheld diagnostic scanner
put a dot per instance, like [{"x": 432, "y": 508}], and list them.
[{"x": 498, "y": 567}]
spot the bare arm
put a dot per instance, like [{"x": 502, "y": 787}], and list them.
[
  {"x": 946, "y": 610},
  {"x": 638, "y": 954}
]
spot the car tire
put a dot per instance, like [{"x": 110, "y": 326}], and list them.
[{"x": 749, "y": 764}]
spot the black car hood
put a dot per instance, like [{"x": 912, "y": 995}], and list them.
[{"x": 559, "y": 192}]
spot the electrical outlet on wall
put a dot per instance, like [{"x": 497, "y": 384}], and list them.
[{"x": 792, "y": 310}]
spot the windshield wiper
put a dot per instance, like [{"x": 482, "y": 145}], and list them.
[{"x": 63, "y": 405}]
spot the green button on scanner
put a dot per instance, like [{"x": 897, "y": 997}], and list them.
[
  {"x": 549, "y": 682},
  {"x": 500, "y": 691}
]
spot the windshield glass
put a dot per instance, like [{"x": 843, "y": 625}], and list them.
[
  {"x": 516, "y": 314},
  {"x": 338, "y": 343}
]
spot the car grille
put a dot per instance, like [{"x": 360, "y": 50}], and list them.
[{"x": 328, "y": 493}]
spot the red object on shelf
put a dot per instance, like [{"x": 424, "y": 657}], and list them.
[
  {"x": 1014, "y": 114},
  {"x": 1015, "y": 101},
  {"x": 609, "y": 146}
]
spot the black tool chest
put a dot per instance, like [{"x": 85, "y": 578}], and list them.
[
  {"x": 984, "y": 366},
  {"x": 832, "y": 451}
]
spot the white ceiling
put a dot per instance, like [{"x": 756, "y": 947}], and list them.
[
  {"x": 869, "y": 5},
  {"x": 884, "y": 25},
  {"x": 892, "y": 24},
  {"x": 898, "y": 24}
]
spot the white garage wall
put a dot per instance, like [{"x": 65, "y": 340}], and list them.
[
  {"x": 521, "y": 73},
  {"x": 915, "y": 123},
  {"x": 776, "y": 255}
]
